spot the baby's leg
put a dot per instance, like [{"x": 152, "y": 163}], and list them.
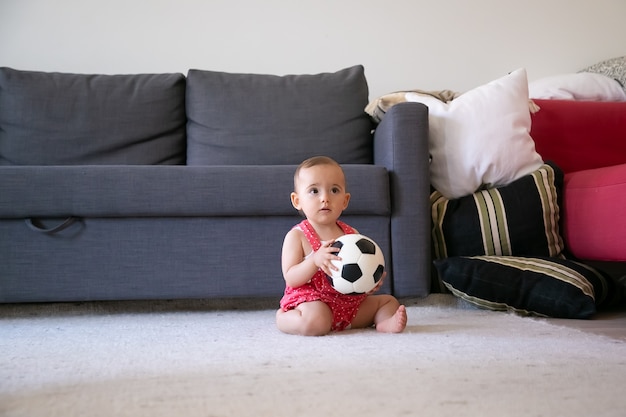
[
  {"x": 312, "y": 318},
  {"x": 384, "y": 311}
]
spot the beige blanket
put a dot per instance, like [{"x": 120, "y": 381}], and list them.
[{"x": 377, "y": 108}]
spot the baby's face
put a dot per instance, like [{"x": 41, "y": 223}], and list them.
[{"x": 321, "y": 193}]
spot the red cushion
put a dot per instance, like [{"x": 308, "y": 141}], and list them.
[
  {"x": 594, "y": 213},
  {"x": 578, "y": 135}
]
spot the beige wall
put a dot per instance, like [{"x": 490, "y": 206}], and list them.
[{"x": 434, "y": 44}]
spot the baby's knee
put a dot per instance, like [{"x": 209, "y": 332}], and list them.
[
  {"x": 317, "y": 319},
  {"x": 386, "y": 300},
  {"x": 316, "y": 325}
]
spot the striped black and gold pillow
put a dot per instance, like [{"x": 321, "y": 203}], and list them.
[
  {"x": 519, "y": 219},
  {"x": 541, "y": 286}
]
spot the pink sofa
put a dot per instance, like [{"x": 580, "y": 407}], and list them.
[{"x": 587, "y": 140}]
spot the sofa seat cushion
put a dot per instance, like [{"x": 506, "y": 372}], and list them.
[
  {"x": 79, "y": 119},
  {"x": 594, "y": 220},
  {"x": 170, "y": 191},
  {"x": 248, "y": 119}
]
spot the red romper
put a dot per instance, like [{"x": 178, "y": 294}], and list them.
[{"x": 344, "y": 307}]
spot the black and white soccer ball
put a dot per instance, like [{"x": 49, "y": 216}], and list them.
[{"x": 361, "y": 267}]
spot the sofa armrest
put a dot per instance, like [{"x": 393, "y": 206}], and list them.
[{"x": 401, "y": 146}]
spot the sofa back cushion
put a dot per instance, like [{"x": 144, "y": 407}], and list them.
[
  {"x": 80, "y": 119},
  {"x": 248, "y": 119}
]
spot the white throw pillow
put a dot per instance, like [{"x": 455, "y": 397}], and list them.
[
  {"x": 481, "y": 139},
  {"x": 578, "y": 86}
]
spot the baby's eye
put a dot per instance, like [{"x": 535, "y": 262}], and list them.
[
  {"x": 336, "y": 190},
  {"x": 313, "y": 191}
]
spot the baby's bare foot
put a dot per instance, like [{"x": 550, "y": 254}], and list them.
[{"x": 395, "y": 323}]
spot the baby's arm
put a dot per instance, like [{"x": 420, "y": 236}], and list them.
[{"x": 298, "y": 269}]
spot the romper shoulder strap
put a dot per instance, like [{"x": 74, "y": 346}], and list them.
[{"x": 311, "y": 234}]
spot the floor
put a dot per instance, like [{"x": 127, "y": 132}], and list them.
[{"x": 607, "y": 323}]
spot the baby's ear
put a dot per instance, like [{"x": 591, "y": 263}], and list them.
[
  {"x": 346, "y": 201},
  {"x": 295, "y": 200}
]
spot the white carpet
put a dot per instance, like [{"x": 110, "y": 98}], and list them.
[{"x": 190, "y": 359}]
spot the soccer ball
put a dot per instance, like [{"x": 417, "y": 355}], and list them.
[{"x": 361, "y": 266}]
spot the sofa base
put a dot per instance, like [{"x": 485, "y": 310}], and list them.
[{"x": 152, "y": 258}]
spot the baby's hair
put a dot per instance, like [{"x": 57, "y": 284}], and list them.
[{"x": 311, "y": 162}]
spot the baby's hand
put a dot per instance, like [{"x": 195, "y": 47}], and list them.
[{"x": 324, "y": 255}]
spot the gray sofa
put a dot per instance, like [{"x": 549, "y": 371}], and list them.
[{"x": 164, "y": 186}]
